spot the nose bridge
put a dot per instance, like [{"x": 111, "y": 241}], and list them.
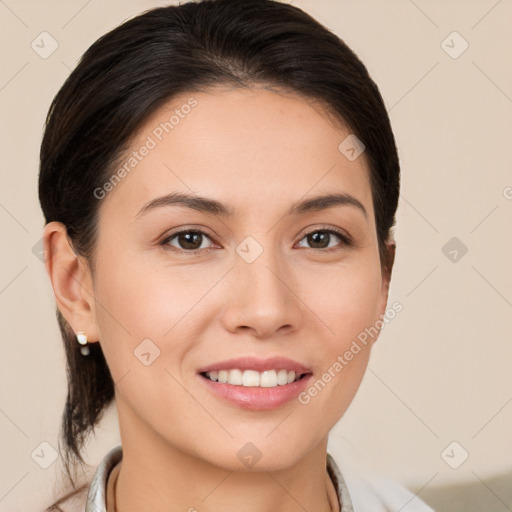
[
  {"x": 259, "y": 266},
  {"x": 263, "y": 274},
  {"x": 261, "y": 293}
]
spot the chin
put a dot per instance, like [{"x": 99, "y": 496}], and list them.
[{"x": 257, "y": 455}]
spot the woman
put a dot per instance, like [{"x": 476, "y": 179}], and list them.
[{"x": 219, "y": 182}]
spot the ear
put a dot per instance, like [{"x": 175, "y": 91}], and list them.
[
  {"x": 71, "y": 280},
  {"x": 387, "y": 268}
]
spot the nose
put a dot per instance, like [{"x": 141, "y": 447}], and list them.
[{"x": 261, "y": 297}]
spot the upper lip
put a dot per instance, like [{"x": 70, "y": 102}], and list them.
[{"x": 260, "y": 365}]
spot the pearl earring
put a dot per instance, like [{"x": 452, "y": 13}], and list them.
[{"x": 82, "y": 339}]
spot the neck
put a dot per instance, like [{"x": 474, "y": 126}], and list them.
[{"x": 154, "y": 475}]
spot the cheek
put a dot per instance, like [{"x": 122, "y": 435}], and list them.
[
  {"x": 346, "y": 300},
  {"x": 347, "y": 303},
  {"x": 139, "y": 321},
  {"x": 358, "y": 306},
  {"x": 138, "y": 300}
]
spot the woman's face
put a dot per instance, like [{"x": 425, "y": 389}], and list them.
[{"x": 263, "y": 281}]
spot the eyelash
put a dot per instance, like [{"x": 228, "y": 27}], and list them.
[{"x": 345, "y": 240}]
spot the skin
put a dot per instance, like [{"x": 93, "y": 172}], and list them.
[{"x": 257, "y": 151}]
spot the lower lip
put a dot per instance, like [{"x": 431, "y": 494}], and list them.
[{"x": 257, "y": 398}]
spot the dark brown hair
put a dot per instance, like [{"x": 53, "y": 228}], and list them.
[{"x": 130, "y": 72}]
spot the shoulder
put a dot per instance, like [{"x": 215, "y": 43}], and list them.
[
  {"x": 369, "y": 490},
  {"x": 93, "y": 489}
]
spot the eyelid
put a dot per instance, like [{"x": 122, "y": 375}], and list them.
[
  {"x": 346, "y": 239},
  {"x": 187, "y": 229},
  {"x": 328, "y": 228}
]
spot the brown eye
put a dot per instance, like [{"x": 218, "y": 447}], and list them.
[
  {"x": 321, "y": 239},
  {"x": 187, "y": 241}
]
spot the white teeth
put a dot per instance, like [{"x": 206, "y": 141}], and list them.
[
  {"x": 235, "y": 377},
  {"x": 268, "y": 379},
  {"x": 282, "y": 377},
  {"x": 252, "y": 378}
]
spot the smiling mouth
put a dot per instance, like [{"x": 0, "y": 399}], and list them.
[{"x": 252, "y": 378}]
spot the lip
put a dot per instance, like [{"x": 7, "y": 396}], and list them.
[
  {"x": 256, "y": 398},
  {"x": 260, "y": 365}
]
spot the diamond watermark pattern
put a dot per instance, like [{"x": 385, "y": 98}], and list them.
[
  {"x": 249, "y": 455},
  {"x": 351, "y": 147},
  {"x": 454, "y": 455},
  {"x": 44, "y": 455},
  {"x": 454, "y": 249},
  {"x": 249, "y": 249},
  {"x": 146, "y": 352},
  {"x": 454, "y": 45},
  {"x": 44, "y": 45}
]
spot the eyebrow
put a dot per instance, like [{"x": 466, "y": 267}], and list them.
[{"x": 214, "y": 207}]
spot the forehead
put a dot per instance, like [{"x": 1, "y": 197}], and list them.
[{"x": 249, "y": 148}]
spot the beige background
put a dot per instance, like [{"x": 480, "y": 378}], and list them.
[{"x": 441, "y": 370}]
